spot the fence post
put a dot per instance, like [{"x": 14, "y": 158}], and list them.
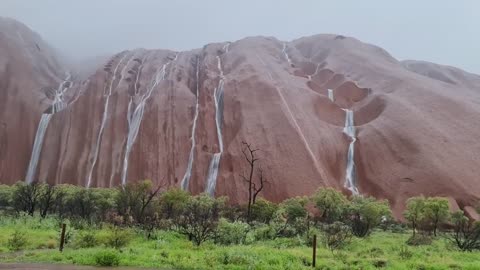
[
  {"x": 62, "y": 236},
  {"x": 314, "y": 259}
]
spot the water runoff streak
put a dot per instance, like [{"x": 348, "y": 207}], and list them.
[
  {"x": 107, "y": 94},
  {"x": 135, "y": 116},
  {"x": 330, "y": 95},
  {"x": 188, "y": 174},
  {"x": 58, "y": 104},
  {"x": 215, "y": 162},
  {"x": 284, "y": 50},
  {"x": 349, "y": 130}
]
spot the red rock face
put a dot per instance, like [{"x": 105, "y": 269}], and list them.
[{"x": 416, "y": 134}]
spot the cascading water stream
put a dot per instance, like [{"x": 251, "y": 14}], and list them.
[
  {"x": 330, "y": 95},
  {"x": 284, "y": 50},
  {"x": 188, "y": 174},
  {"x": 57, "y": 105},
  {"x": 314, "y": 73},
  {"x": 107, "y": 94},
  {"x": 215, "y": 162},
  {"x": 134, "y": 118},
  {"x": 349, "y": 130}
]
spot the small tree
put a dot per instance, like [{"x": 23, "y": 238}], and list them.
[
  {"x": 81, "y": 203},
  {"x": 199, "y": 218},
  {"x": 172, "y": 202},
  {"x": 367, "y": 213},
  {"x": 25, "y": 197},
  {"x": 436, "y": 212},
  {"x": 466, "y": 234},
  {"x": 263, "y": 211},
  {"x": 331, "y": 203},
  {"x": 336, "y": 235},
  {"x": 135, "y": 199},
  {"x": 415, "y": 212},
  {"x": 47, "y": 198},
  {"x": 291, "y": 217}
]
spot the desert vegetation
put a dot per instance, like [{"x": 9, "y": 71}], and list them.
[{"x": 145, "y": 225}]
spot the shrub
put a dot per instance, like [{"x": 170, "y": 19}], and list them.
[
  {"x": 5, "y": 196},
  {"x": 419, "y": 240},
  {"x": 291, "y": 217},
  {"x": 331, "y": 204},
  {"x": 404, "y": 253},
  {"x": 25, "y": 197},
  {"x": 199, "y": 218},
  {"x": 172, "y": 202},
  {"x": 118, "y": 238},
  {"x": 264, "y": 232},
  {"x": 86, "y": 240},
  {"x": 336, "y": 235},
  {"x": 17, "y": 241},
  {"x": 465, "y": 234},
  {"x": 107, "y": 258},
  {"x": 231, "y": 233},
  {"x": 367, "y": 213},
  {"x": 415, "y": 212},
  {"x": 51, "y": 244},
  {"x": 263, "y": 211},
  {"x": 379, "y": 263}
]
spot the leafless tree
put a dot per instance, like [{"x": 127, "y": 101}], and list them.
[{"x": 254, "y": 188}]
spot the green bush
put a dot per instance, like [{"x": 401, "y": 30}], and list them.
[
  {"x": 17, "y": 241},
  {"x": 86, "y": 240},
  {"x": 107, "y": 258},
  {"x": 118, "y": 238},
  {"x": 330, "y": 203},
  {"x": 263, "y": 211},
  {"x": 264, "y": 232},
  {"x": 336, "y": 235},
  {"x": 419, "y": 240},
  {"x": 231, "y": 233}
]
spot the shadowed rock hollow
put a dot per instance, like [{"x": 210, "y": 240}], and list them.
[{"x": 134, "y": 117}]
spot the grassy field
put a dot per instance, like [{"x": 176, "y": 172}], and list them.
[{"x": 173, "y": 251}]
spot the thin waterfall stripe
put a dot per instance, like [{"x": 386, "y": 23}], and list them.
[
  {"x": 188, "y": 174},
  {"x": 350, "y": 174}
]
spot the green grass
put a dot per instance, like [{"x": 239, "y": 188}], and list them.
[{"x": 172, "y": 251}]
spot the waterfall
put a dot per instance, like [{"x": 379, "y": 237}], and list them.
[
  {"x": 96, "y": 147},
  {"x": 37, "y": 146},
  {"x": 188, "y": 174},
  {"x": 284, "y": 50},
  {"x": 58, "y": 104},
  {"x": 213, "y": 173},
  {"x": 226, "y": 47},
  {"x": 330, "y": 95},
  {"x": 134, "y": 118},
  {"x": 215, "y": 162},
  {"x": 349, "y": 130},
  {"x": 314, "y": 73}
]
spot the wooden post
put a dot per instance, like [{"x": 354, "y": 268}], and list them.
[
  {"x": 62, "y": 236},
  {"x": 314, "y": 259}
]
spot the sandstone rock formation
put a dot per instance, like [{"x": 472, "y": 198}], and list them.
[{"x": 135, "y": 117}]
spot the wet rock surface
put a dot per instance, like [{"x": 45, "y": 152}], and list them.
[{"x": 134, "y": 118}]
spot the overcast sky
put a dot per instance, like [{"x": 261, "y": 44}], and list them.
[{"x": 445, "y": 32}]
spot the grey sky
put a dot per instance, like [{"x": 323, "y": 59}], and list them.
[{"x": 444, "y": 32}]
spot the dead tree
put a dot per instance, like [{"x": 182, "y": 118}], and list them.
[{"x": 249, "y": 153}]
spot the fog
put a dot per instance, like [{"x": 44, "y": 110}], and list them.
[{"x": 444, "y": 32}]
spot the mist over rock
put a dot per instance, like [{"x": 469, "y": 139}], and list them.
[{"x": 415, "y": 124}]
